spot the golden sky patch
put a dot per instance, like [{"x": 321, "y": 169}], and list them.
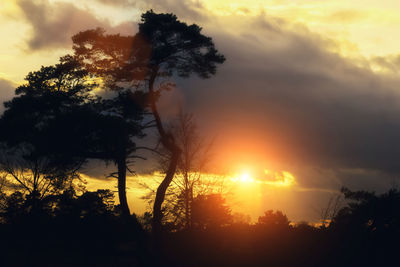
[{"x": 359, "y": 28}]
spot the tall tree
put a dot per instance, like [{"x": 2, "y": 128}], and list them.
[
  {"x": 127, "y": 113},
  {"x": 29, "y": 137},
  {"x": 56, "y": 122},
  {"x": 164, "y": 47},
  {"x": 107, "y": 133}
]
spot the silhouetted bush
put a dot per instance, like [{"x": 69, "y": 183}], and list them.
[
  {"x": 273, "y": 219},
  {"x": 209, "y": 211}
]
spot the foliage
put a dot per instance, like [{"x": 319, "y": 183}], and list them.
[
  {"x": 370, "y": 212},
  {"x": 330, "y": 211},
  {"x": 163, "y": 47},
  {"x": 66, "y": 206},
  {"x": 56, "y": 122},
  {"x": 35, "y": 121},
  {"x": 210, "y": 211},
  {"x": 273, "y": 219}
]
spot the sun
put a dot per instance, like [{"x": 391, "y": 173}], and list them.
[{"x": 245, "y": 177}]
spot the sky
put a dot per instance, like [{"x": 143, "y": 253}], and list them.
[{"x": 309, "y": 88}]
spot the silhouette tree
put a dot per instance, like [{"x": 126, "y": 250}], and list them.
[
  {"x": 195, "y": 155},
  {"x": 366, "y": 211},
  {"x": 210, "y": 211},
  {"x": 3, "y": 195},
  {"x": 64, "y": 207},
  {"x": 30, "y": 140},
  {"x": 163, "y": 47},
  {"x": 330, "y": 211},
  {"x": 88, "y": 205},
  {"x": 189, "y": 180},
  {"x": 273, "y": 219},
  {"x": 56, "y": 122},
  {"x": 108, "y": 135}
]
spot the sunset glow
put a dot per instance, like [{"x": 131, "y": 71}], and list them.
[
  {"x": 271, "y": 178},
  {"x": 279, "y": 139},
  {"x": 199, "y": 132},
  {"x": 246, "y": 178},
  {"x": 280, "y": 179}
]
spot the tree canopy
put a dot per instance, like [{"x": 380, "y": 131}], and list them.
[{"x": 163, "y": 47}]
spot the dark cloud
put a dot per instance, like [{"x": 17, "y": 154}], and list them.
[
  {"x": 389, "y": 63},
  {"x": 54, "y": 24},
  {"x": 308, "y": 106},
  {"x": 7, "y": 89}
]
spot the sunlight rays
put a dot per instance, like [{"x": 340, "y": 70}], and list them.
[
  {"x": 246, "y": 178},
  {"x": 271, "y": 178}
]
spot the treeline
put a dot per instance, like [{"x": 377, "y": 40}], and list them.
[{"x": 87, "y": 230}]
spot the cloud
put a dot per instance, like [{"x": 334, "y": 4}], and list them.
[
  {"x": 390, "y": 63},
  {"x": 54, "y": 24},
  {"x": 346, "y": 16},
  {"x": 117, "y": 2},
  {"x": 282, "y": 96},
  {"x": 6, "y": 92},
  {"x": 184, "y": 9}
]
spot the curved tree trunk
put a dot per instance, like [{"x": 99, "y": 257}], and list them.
[
  {"x": 168, "y": 142},
  {"x": 161, "y": 190}
]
